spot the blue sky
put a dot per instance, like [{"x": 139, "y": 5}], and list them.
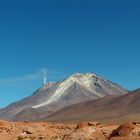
[{"x": 63, "y": 37}]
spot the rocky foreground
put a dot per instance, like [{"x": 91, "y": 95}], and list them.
[{"x": 81, "y": 131}]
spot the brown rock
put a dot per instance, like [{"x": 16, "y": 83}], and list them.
[{"x": 125, "y": 130}]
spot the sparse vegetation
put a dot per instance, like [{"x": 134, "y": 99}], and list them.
[
  {"x": 20, "y": 138},
  {"x": 25, "y": 138}
]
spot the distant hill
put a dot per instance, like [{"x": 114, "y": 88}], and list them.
[{"x": 120, "y": 108}]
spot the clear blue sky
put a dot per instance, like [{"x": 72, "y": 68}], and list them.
[{"x": 66, "y": 36}]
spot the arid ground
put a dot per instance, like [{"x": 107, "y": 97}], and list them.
[{"x": 80, "y": 131}]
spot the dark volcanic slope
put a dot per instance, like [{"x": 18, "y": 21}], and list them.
[
  {"x": 110, "y": 108},
  {"x": 55, "y": 96}
]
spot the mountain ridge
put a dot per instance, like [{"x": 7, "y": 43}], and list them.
[{"x": 52, "y": 97}]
